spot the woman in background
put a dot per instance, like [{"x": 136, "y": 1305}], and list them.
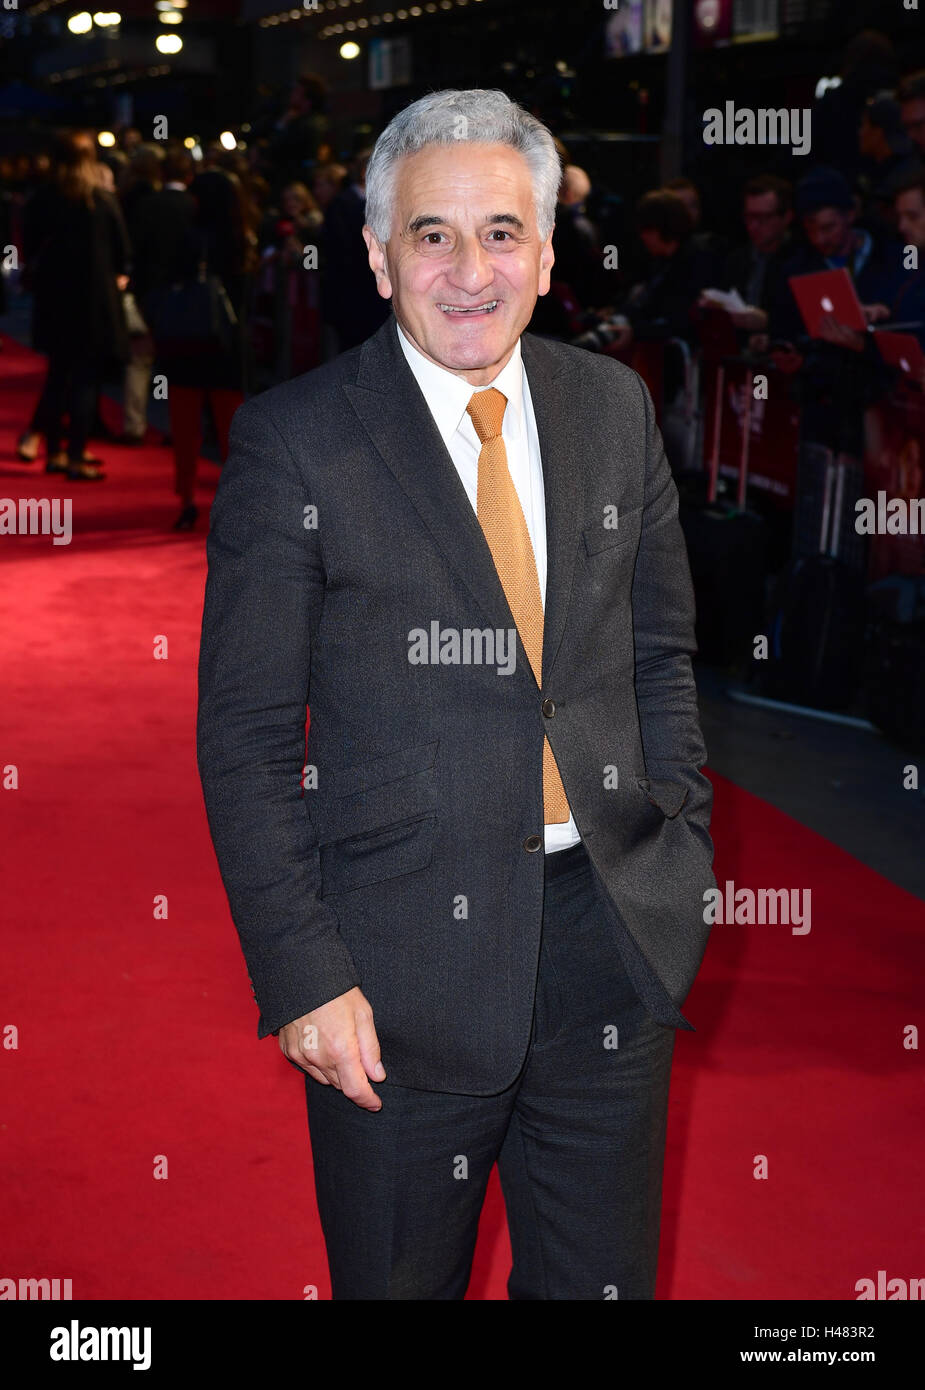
[
  {"x": 76, "y": 251},
  {"x": 197, "y": 374}
]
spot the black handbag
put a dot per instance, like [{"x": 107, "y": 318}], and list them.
[{"x": 192, "y": 318}]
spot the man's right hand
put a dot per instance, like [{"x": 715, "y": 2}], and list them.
[{"x": 337, "y": 1045}]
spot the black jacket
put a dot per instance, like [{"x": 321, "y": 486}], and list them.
[{"x": 429, "y": 777}]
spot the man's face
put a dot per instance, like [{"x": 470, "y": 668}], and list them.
[
  {"x": 910, "y": 217},
  {"x": 764, "y": 222},
  {"x": 913, "y": 119},
  {"x": 463, "y": 238},
  {"x": 829, "y": 231}
]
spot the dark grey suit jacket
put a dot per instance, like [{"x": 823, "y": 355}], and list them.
[{"x": 412, "y": 868}]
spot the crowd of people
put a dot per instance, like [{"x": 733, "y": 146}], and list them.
[{"x": 223, "y": 274}]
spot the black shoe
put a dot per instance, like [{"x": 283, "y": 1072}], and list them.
[
  {"x": 85, "y": 471},
  {"x": 22, "y": 452},
  {"x": 187, "y": 518}
]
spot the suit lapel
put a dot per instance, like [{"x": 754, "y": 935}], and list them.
[{"x": 392, "y": 408}]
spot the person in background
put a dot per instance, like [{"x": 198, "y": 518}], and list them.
[
  {"x": 754, "y": 269},
  {"x": 840, "y": 370},
  {"x": 710, "y": 246},
  {"x": 659, "y": 306},
  {"x": 300, "y": 135},
  {"x": 327, "y": 181},
  {"x": 143, "y": 175},
  {"x": 826, "y": 208},
  {"x": 908, "y": 305},
  {"x": 158, "y": 227},
  {"x": 77, "y": 248},
  {"x": 911, "y": 97},
  {"x": 351, "y": 307},
  {"x": 868, "y": 66},
  {"x": 887, "y": 159},
  {"x": 219, "y": 237}
]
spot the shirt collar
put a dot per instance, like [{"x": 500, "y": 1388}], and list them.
[{"x": 447, "y": 395}]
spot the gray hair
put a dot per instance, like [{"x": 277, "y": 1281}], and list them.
[{"x": 482, "y": 115}]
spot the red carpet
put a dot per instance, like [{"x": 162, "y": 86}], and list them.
[{"x": 137, "y": 1035}]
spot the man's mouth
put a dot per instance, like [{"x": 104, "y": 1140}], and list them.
[{"x": 488, "y": 307}]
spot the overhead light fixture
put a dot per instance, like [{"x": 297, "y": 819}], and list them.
[
  {"x": 168, "y": 43},
  {"x": 227, "y": 140},
  {"x": 80, "y": 23},
  {"x": 106, "y": 139},
  {"x": 170, "y": 17},
  {"x": 107, "y": 19},
  {"x": 350, "y": 50}
]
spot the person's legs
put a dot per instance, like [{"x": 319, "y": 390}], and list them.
[
  {"x": 185, "y": 404},
  {"x": 581, "y": 1167},
  {"x": 400, "y": 1190},
  {"x": 224, "y": 404},
  {"x": 54, "y": 401},
  {"x": 84, "y": 384},
  {"x": 136, "y": 386}
]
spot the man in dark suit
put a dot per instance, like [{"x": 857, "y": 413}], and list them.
[{"x": 473, "y": 915}]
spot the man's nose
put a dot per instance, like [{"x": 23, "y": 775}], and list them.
[{"x": 471, "y": 264}]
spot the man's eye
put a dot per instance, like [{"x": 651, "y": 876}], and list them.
[
  {"x": 428, "y": 235},
  {"x": 498, "y": 231}
]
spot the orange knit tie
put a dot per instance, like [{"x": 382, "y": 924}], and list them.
[{"x": 502, "y": 520}]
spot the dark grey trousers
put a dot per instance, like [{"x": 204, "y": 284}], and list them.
[{"x": 579, "y": 1140}]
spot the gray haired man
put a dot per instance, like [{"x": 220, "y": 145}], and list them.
[{"x": 474, "y": 920}]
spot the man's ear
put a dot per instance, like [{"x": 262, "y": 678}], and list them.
[
  {"x": 377, "y": 263},
  {"x": 547, "y": 260}
]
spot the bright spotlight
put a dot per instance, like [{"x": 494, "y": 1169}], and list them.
[
  {"x": 80, "y": 23},
  {"x": 106, "y": 139},
  {"x": 168, "y": 43},
  {"x": 227, "y": 140},
  {"x": 350, "y": 50}
]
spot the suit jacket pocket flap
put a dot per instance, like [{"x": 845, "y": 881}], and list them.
[
  {"x": 363, "y": 859},
  {"x": 372, "y": 796}
]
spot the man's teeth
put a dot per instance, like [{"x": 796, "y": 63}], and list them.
[{"x": 491, "y": 305}]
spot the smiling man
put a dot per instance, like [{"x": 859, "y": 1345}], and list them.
[{"x": 472, "y": 915}]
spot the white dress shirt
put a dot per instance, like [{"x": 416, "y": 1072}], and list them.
[{"x": 447, "y": 396}]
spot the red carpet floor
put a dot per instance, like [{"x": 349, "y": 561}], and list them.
[{"x": 137, "y": 1036}]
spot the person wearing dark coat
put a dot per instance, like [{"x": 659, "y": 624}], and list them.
[
  {"x": 77, "y": 253},
  {"x": 350, "y": 303},
  {"x": 217, "y": 243}
]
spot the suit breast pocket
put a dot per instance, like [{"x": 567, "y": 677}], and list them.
[{"x": 375, "y": 820}]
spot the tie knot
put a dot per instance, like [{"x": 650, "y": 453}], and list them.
[{"x": 487, "y": 411}]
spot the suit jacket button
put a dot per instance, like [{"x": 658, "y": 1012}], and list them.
[
  {"x": 548, "y": 707},
  {"x": 532, "y": 843}
]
